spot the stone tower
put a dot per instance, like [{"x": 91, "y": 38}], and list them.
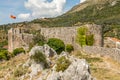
[{"x": 17, "y": 39}]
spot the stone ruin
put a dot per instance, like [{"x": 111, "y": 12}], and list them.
[{"x": 17, "y": 38}]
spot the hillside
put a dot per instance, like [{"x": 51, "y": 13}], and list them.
[
  {"x": 10, "y": 70},
  {"x": 103, "y": 12}
]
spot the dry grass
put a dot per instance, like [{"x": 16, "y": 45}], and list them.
[
  {"x": 7, "y": 67},
  {"x": 102, "y": 68}
]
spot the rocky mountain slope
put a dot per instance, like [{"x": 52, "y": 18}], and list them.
[
  {"x": 23, "y": 67},
  {"x": 102, "y": 12}
]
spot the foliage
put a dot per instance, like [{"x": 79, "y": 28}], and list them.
[
  {"x": 2, "y": 44},
  {"x": 69, "y": 48},
  {"x": 89, "y": 40},
  {"x": 103, "y": 14},
  {"x": 62, "y": 64},
  {"x": 39, "y": 57},
  {"x": 18, "y": 51},
  {"x": 4, "y": 55},
  {"x": 39, "y": 39},
  {"x": 57, "y": 44},
  {"x": 83, "y": 39}
]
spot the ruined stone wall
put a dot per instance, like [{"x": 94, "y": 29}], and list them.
[
  {"x": 114, "y": 53},
  {"x": 68, "y": 34},
  {"x": 17, "y": 39},
  {"x": 109, "y": 43}
]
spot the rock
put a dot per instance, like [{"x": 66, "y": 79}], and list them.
[
  {"x": 49, "y": 52},
  {"x": 37, "y": 67},
  {"x": 78, "y": 70}
]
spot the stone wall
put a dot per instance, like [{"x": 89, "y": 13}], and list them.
[
  {"x": 114, "y": 53},
  {"x": 17, "y": 39},
  {"x": 110, "y": 43},
  {"x": 68, "y": 34}
]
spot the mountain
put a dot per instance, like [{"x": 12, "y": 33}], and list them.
[{"x": 102, "y": 12}]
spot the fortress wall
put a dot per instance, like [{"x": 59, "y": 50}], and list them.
[
  {"x": 17, "y": 38},
  {"x": 113, "y": 53},
  {"x": 68, "y": 34}
]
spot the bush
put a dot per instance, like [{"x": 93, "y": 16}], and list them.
[
  {"x": 18, "y": 51},
  {"x": 39, "y": 39},
  {"x": 90, "y": 40},
  {"x": 57, "y": 44},
  {"x": 4, "y": 55},
  {"x": 69, "y": 48},
  {"x": 62, "y": 64},
  {"x": 83, "y": 38},
  {"x": 39, "y": 57}
]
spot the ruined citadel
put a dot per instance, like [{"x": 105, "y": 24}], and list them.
[{"x": 17, "y": 38}]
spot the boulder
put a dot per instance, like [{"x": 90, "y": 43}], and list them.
[
  {"x": 45, "y": 49},
  {"x": 78, "y": 70}
]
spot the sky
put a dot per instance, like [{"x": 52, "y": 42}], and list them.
[{"x": 26, "y": 10}]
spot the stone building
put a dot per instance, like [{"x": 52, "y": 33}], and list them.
[
  {"x": 68, "y": 34},
  {"x": 17, "y": 39}
]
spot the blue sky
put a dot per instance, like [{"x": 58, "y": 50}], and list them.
[{"x": 26, "y": 10}]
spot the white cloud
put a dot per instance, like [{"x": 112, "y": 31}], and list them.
[
  {"x": 24, "y": 16},
  {"x": 81, "y": 1},
  {"x": 43, "y": 8}
]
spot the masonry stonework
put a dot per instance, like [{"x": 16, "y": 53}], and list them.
[
  {"x": 17, "y": 39},
  {"x": 111, "y": 52},
  {"x": 68, "y": 34}
]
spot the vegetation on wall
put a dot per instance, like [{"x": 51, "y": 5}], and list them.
[
  {"x": 39, "y": 39},
  {"x": 83, "y": 38},
  {"x": 57, "y": 44}
]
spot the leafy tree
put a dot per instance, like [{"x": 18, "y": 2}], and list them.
[{"x": 57, "y": 44}]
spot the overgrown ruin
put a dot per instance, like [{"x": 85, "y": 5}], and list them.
[{"x": 17, "y": 38}]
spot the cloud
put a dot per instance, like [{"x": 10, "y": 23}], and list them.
[
  {"x": 81, "y": 1},
  {"x": 24, "y": 16},
  {"x": 44, "y": 8}
]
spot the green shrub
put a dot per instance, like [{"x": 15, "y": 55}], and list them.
[
  {"x": 62, "y": 64},
  {"x": 39, "y": 39},
  {"x": 18, "y": 51},
  {"x": 4, "y": 55},
  {"x": 69, "y": 48},
  {"x": 39, "y": 57},
  {"x": 57, "y": 44},
  {"x": 83, "y": 38},
  {"x": 90, "y": 40}
]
